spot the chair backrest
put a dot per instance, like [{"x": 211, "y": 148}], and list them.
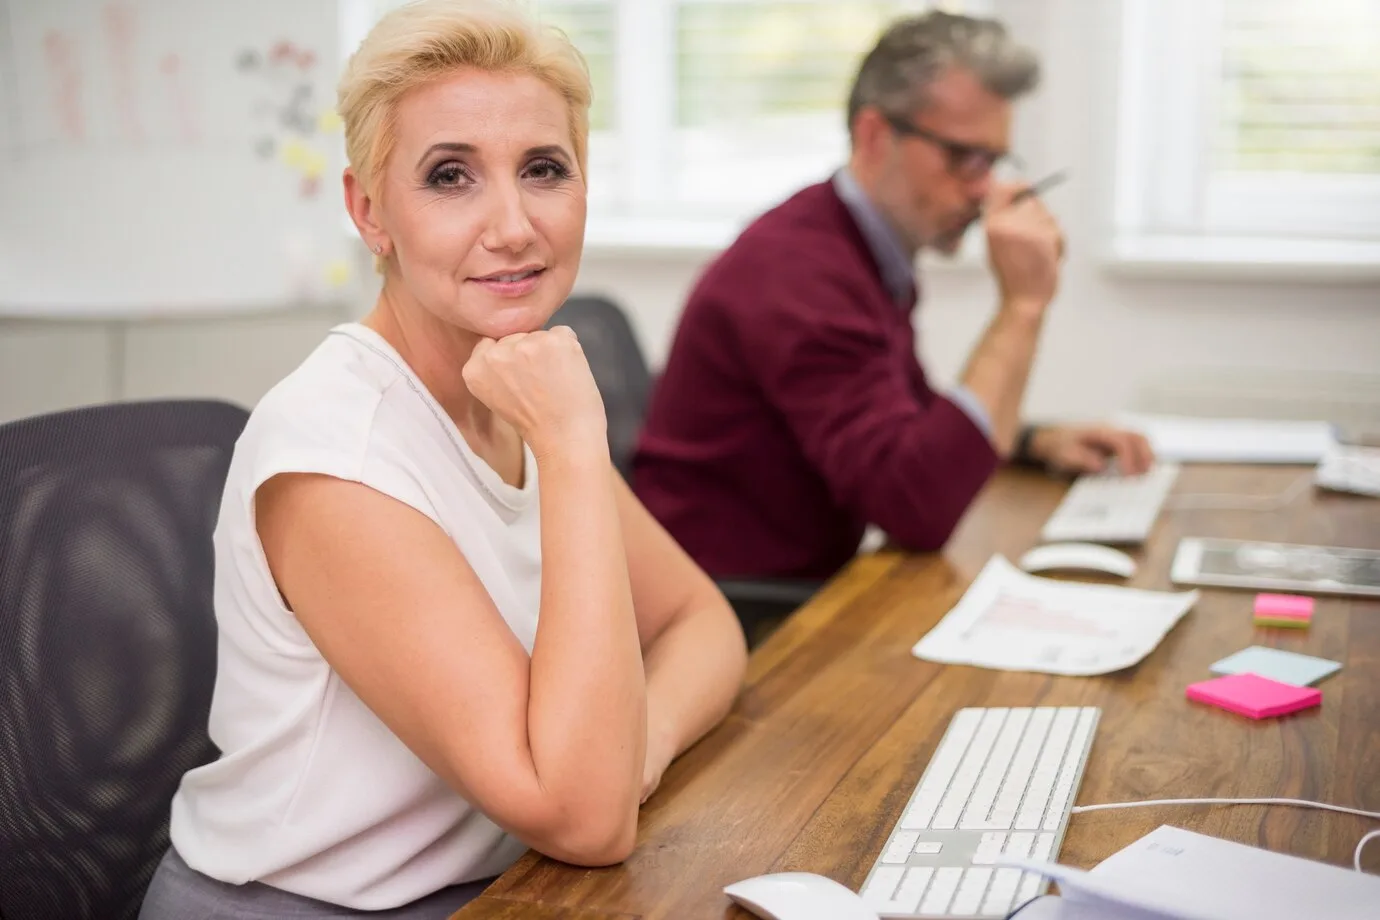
[
  {"x": 619, "y": 368},
  {"x": 107, "y": 644}
]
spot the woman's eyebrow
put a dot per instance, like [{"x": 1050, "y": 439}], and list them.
[
  {"x": 450, "y": 147},
  {"x": 548, "y": 150}
]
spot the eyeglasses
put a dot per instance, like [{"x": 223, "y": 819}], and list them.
[{"x": 965, "y": 161}]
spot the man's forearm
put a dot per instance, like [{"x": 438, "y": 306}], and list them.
[{"x": 999, "y": 369}]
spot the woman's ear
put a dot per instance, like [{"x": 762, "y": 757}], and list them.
[{"x": 365, "y": 215}]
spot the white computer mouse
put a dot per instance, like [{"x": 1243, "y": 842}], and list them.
[
  {"x": 1087, "y": 557},
  {"x": 798, "y": 896}
]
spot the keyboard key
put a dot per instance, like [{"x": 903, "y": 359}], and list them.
[
  {"x": 976, "y": 815},
  {"x": 1019, "y": 846},
  {"x": 1018, "y": 777},
  {"x": 968, "y": 770},
  {"x": 929, "y": 848},
  {"x": 941, "y": 891},
  {"x": 988, "y": 848},
  {"x": 941, "y": 769},
  {"x": 912, "y": 889},
  {"x": 1063, "y": 790},
  {"x": 970, "y": 892},
  {"x": 906, "y": 899},
  {"x": 1031, "y": 886},
  {"x": 881, "y": 886},
  {"x": 1046, "y": 771},
  {"x": 899, "y": 849},
  {"x": 1044, "y": 848},
  {"x": 1002, "y": 895}
]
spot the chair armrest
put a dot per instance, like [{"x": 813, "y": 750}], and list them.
[
  {"x": 781, "y": 592},
  {"x": 762, "y": 603}
]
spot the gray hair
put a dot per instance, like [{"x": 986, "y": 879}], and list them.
[{"x": 914, "y": 51}]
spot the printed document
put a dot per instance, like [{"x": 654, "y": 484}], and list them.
[{"x": 1012, "y": 621}]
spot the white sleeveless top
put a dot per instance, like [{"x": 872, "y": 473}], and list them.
[{"x": 312, "y": 793}]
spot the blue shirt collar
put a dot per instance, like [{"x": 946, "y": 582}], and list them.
[{"x": 896, "y": 265}]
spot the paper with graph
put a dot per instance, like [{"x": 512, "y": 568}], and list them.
[{"x": 1012, "y": 621}]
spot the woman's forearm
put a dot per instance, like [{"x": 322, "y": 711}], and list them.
[
  {"x": 694, "y": 672},
  {"x": 587, "y": 696}
]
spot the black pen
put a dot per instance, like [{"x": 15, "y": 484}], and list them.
[{"x": 1044, "y": 185}]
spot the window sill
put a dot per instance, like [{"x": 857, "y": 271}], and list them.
[{"x": 1244, "y": 259}]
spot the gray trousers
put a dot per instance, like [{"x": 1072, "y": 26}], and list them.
[{"x": 179, "y": 892}]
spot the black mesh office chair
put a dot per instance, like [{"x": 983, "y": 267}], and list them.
[
  {"x": 107, "y": 644},
  {"x": 625, "y": 382},
  {"x": 619, "y": 368}
]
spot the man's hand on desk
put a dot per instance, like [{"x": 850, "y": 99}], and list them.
[{"x": 1090, "y": 449}]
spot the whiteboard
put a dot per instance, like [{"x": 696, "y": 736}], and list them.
[{"x": 169, "y": 156}]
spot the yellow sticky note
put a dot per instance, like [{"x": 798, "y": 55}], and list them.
[
  {"x": 295, "y": 154},
  {"x": 313, "y": 165},
  {"x": 337, "y": 273},
  {"x": 329, "y": 122}
]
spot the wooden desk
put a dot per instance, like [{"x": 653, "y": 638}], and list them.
[{"x": 838, "y": 721}]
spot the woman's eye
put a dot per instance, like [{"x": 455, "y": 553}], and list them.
[
  {"x": 447, "y": 175},
  {"x": 547, "y": 170}
]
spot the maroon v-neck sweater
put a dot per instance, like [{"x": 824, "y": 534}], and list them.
[{"x": 793, "y": 410}]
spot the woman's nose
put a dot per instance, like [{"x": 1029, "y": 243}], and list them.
[{"x": 509, "y": 226}]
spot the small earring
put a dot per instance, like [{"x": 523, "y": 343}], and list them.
[{"x": 378, "y": 249}]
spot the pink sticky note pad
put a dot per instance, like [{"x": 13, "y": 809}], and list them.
[
  {"x": 1254, "y": 696},
  {"x": 1283, "y": 606}
]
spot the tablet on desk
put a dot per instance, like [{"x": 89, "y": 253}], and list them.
[{"x": 1288, "y": 566}]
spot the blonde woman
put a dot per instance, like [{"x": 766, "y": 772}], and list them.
[{"x": 448, "y": 630}]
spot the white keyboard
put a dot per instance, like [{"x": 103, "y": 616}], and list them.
[
  {"x": 1000, "y": 785},
  {"x": 1111, "y": 509}
]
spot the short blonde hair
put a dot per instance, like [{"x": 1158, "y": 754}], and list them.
[{"x": 422, "y": 40}]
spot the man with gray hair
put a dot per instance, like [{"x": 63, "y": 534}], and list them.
[{"x": 793, "y": 410}]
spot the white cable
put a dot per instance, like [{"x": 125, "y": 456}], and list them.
[
  {"x": 1225, "y": 502},
  {"x": 1356, "y": 857},
  {"x": 1301, "y": 803}
]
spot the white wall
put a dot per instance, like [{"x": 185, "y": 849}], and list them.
[{"x": 1105, "y": 336}]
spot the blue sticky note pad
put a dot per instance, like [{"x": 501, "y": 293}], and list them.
[{"x": 1286, "y": 667}]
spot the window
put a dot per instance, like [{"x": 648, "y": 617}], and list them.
[
  {"x": 707, "y": 111},
  {"x": 1250, "y": 127},
  {"x": 590, "y": 25},
  {"x": 760, "y": 89}
]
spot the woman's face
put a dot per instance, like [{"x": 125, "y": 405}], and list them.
[{"x": 481, "y": 201}]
